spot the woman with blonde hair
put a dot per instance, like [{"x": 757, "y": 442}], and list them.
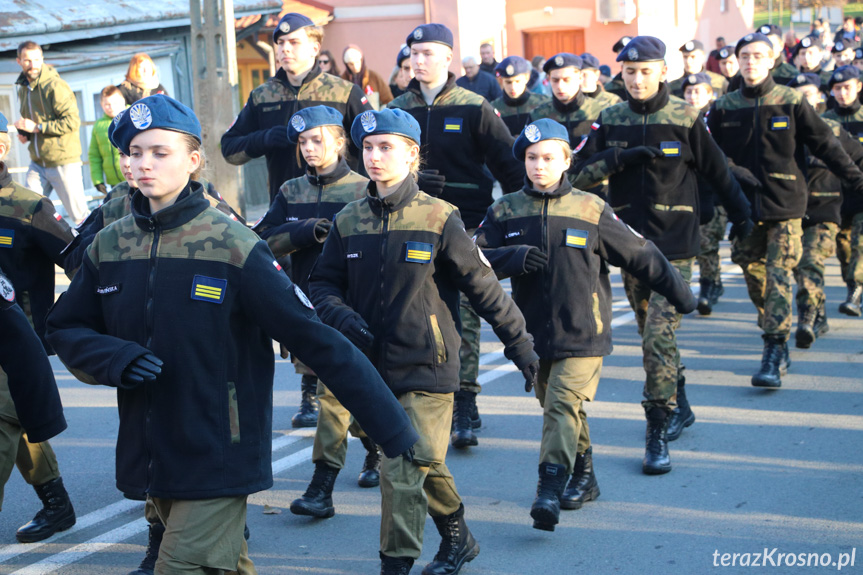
[{"x": 142, "y": 79}]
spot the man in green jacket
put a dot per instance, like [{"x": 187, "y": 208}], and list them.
[
  {"x": 104, "y": 157},
  {"x": 49, "y": 121}
]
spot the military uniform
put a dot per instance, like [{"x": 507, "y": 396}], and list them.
[
  {"x": 515, "y": 113},
  {"x": 601, "y": 95},
  {"x": 616, "y": 87},
  {"x": 717, "y": 82}
]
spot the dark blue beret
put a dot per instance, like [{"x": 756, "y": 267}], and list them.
[
  {"x": 843, "y": 45},
  {"x": 695, "y": 79},
  {"x": 752, "y": 39},
  {"x": 512, "y": 66},
  {"x": 155, "y": 112},
  {"x": 726, "y": 52},
  {"x": 807, "y": 79},
  {"x": 387, "y": 121},
  {"x": 770, "y": 30},
  {"x": 589, "y": 61},
  {"x": 562, "y": 60},
  {"x": 809, "y": 42},
  {"x": 404, "y": 53},
  {"x": 843, "y": 74},
  {"x": 291, "y": 22},
  {"x": 605, "y": 70},
  {"x": 544, "y": 129},
  {"x": 621, "y": 44},
  {"x": 313, "y": 117},
  {"x": 437, "y": 33},
  {"x": 692, "y": 46},
  {"x": 643, "y": 49},
  {"x": 858, "y": 54},
  {"x": 113, "y": 126},
  {"x": 4, "y": 123}
]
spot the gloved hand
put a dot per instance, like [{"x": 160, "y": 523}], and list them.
[
  {"x": 639, "y": 155},
  {"x": 744, "y": 177},
  {"x": 530, "y": 373},
  {"x": 740, "y": 230},
  {"x": 357, "y": 331},
  {"x": 277, "y": 137},
  {"x": 102, "y": 189},
  {"x": 535, "y": 260},
  {"x": 322, "y": 229},
  {"x": 409, "y": 454},
  {"x": 431, "y": 182},
  {"x": 688, "y": 306},
  {"x": 143, "y": 369}
]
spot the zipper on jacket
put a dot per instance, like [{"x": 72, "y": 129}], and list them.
[
  {"x": 320, "y": 196},
  {"x": 546, "y": 273},
  {"x": 384, "y": 233},
  {"x": 755, "y": 125},
  {"x": 151, "y": 284},
  {"x": 644, "y": 143}
]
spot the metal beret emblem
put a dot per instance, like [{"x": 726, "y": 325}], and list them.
[
  {"x": 285, "y": 26},
  {"x": 839, "y": 77},
  {"x": 141, "y": 116},
  {"x": 693, "y": 79},
  {"x": 418, "y": 34},
  {"x": 805, "y": 42},
  {"x": 368, "y": 121},
  {"x": 748, "y": 38},
  {"x": 689, "y": 46},
  {"x": 532, "y": 134},
  {"x": 840, "y": 46},
  {"x": 633, "y": 54},
  {"x": 298, "y": 123},
  {"x": 558, "y": 60},
  {"x": 510, "y": 70}
]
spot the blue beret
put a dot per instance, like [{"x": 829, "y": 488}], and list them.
[
  {"x": 589, "y": 61},
  {"x": 695, "y": 79},
  {"x": 544, "y": 129},
  {"x": 512, "y": 66},
  {"x": 562, "y": 60},
  {"x": 113, "y": 126},
  {"x": 643, "y": 49},
  {"x": 843, "y": 74},
  {"x": 621, "y": 44},
  {"x": 291, "y": 22},
  {"x": 403, "y": 54},
  {"x": 387, "y": 121},
  {"x": 752, "y": 39},
  {"x": 155, "y": 112},
  {"x": 807, "y": 79},
  {"x": 726, "y": 52},
  {"x": 4, "y": 123},
  {"x": 809, "y": 42},
  {"x": 843, "y": 45},
  {"x": 770, "y": 30},
  {"x": 437, "y": 33},
  {"x": 692, "y": 46},
  {"x": 313, "y": 117},
  {"x": 858, "y": 54},
  {"x": 606, "y": 70}
]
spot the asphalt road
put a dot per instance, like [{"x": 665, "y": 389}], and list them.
[{"x": 775, "y": 471}]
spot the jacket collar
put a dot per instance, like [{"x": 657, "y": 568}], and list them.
[
  {"x": 414, "y": 86},
  {"x": 401, "y": 197},
  {"x": 44, "y": 76},
  {"x": 341, "y": 170},
  {"x": 189, "y": 204},
  {"x": 516, "y": 102},
  {"x": 850, "y": 110},
  {"x": 652, "y": 104},
  {"x": 570, "y": 107},
  {"x": 5, "y": 176},
  {"x": 759, "y": 91},
  {"x": 282, "y": 76},
  {"x": 563, "y": 189}
]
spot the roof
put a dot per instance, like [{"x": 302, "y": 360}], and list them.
[
  {"x": 318, "y": 12},
  {"x": 95, "y": 55}
]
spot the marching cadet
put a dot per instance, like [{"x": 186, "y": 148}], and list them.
[
  {"x": 810, "y": 55},
  {"x": 858, "y": 58},
  {"x": 390, "y": 275},
  {"x": 32, "y": 237},
  {"x": 590, "y": 84},
  {"x": 781, "y": 71},
  {"x": 195, "y": 380},
  {"x": 462, "y": 132},
  {"x": 728, "y": 65},
  {"x": 297, "y": 223},
  {"x": 693, "y": 63},
  {"x": 845, "y": 85},
  {"x": 554, "y": 241},
  {"x": 615, "y": 85},
  {"x": 517, "y": 102},
  {"x": 843, "y": 53},
  {"x": 650, "y": 148},
  {"x": 761, "y": 127}
]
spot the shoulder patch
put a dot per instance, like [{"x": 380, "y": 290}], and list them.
[
  {"x": 7, "y": 290},
  {"x": 304, "y": 299}
]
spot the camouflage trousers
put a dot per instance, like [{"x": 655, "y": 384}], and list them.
[
  {"x": 711, "y": 234},
  {"x": 767, "y": 257},
  {"x": 657, "y": 324},
  {"x": 849, "y": 250},
  {"x": 819, "y": 243}
]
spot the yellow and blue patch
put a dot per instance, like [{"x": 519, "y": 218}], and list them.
[
  {"x": 779, "y": 123},
  {"x": 7, "y": 238},
  {"x": 209, "y": 289},
  {"x": 576, "y": 238},
  {"x": 452, "y": 125},
  {"x": 418, "y": 252},
  {"x": 670, "y": 149}
]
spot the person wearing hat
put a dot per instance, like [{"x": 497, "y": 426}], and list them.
[
  {"x": 809, "y": 55},
  {"x": 462, "y": 134},
  {"x": 712, "y": 63},
  {"x": 693, "y": 63},
  {"x": 402, "y": 74},
  {"x": 845, "y": 86},
  {"x": 369, "y": 81},
  {"x": 615, "y": 85},
  {"x": 650, "y": 149},
  {"x": 782, "y": 72},
  {"x": 728, "y": 65},
  {"x": 764, "y": 139},
  {"x": 843, "y": 53},
  {"x": 858, "y": 58},
  {"x": 389, "y": 278},
  {"x": 555, "y": 242},
  {"x": 517, "y": 102},
  {"x": 590, "y": 81},
  {"x": 195, "y": 380}
]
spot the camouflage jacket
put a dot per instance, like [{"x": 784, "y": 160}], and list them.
[
  {"x": 717, "y": 82},
  {"x": 400, "y": 263},
  {"x": 616, "y": 86},
  {"x": 203, "y": 293},
  {"x": 659, "y": 198},
  {"x": 567, "y": 305},
  {"x": 271, "y": 105},
  {"x": 32, "y": 238},
  {"x": 825, "y": 200},
  {"x": 764, "y": 129},
  {"x": 607, "y": 98},
  {"x": 515, "y": 113},
  {"x": 289, "y": 224},
  {"x": 851, "y": 119},
  {"x": 460, "y": 133}
]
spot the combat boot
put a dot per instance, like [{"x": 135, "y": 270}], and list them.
[
  {"x": 56, "y": 514},
  {"x": 851, "y": 305},
  {"x": 681, "y": 416},
  {"x": 717, "y": 292},
  {"x": 583, "y": 486},
  {"x": 821, "y": 327},
  {"x": 317, "y": 501},
  {"x": 705, "y": 305},
  {"x": 656, "y": 458},
  {"x": 546, "y": 507},
  {"x": 396, "y": 565},
  {"x": 774, "y": 362},
  {"x": 457, "y": 545},
  {"x": 805, "y": 336},
  {"x": 148, "y": 564},
  {"x": 462, "y": 431},
  {"x": 370, "y": 476},
  {"x": 307, "y": 415}
]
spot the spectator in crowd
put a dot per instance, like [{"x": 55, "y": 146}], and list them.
[
  {"x": 848, "y": 31},
  {"x": 790, "y": 43},
  {"x": 487, "y": 61},
  {"x": 538, "y": 82},
  {"x": 370, "y": 82},
  {"x": 477, "y": 81},
  {"x": 402, "y": 73},
  {"x": 713, "y": 58},
  {"x": 328, "y": 63},
  {"x": 104, "y": 157},
  {"x": 142, "y": 79}
]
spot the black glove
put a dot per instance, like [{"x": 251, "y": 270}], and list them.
[
  {"x": 431, "y": 182},
  {"x": 357, "y": 331},
  {"x": 639, "y": 155},
  {"x": 741, "y": 229},
  {"x": 277, "y": 137},
  {"x": 535, "y": 260},
  {"x": 409, "y": 454},
  {"x": 143, "y": 369},
  {"x": 102, "y": 189},
  {"x": 322, "y": 229},
  {"x": 744, "y": 177},
  {"x": 530, "y": 373}
]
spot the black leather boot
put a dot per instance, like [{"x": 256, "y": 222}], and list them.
[
  {"x": 56, "y": 514},
  {"x": 307, "y": 415},
  {"x": 370, "y": 476},
  {"x": 681, "y": 416},
  {"x": 462, "y": 431},
  {"x": 656, "y": 458},
  {"x": 805, "y": 336},
  {"x": 774, "y": 362},
  {"x": 820, "y": 326},
  {"x": 582, "y": 485},
  {"x": 851, "y": 305},
  {"x": 546, "y": 507},
  {"x": 148, "y": 564},
  {"x": 317, "y": 501},
  {"x": 705, "y": 305},
  {"x": 396, "y": 565},
  {"x": 457, "y": 545}
]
